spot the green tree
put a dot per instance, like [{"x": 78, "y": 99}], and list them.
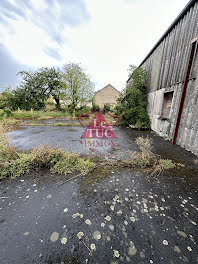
[
  {"x": 77, "y": 84},
  {"x": 6, "y": 98},
  {"x": 132, "y": 104},
  {"x": 131, "y": 69},
  {"x": 37, "y": 87}
]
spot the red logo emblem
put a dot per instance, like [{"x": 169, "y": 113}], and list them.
[{"x": 99, "y": 127}]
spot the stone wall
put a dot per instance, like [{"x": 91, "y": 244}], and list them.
[{"x": 107, "y": 95}]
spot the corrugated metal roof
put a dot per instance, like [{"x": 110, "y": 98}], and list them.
[{"x": 190, "y": 4}]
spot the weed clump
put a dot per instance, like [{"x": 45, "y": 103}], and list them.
[
  {"x": 145, "y": 158},
  {"x": 14, "y": 164}
]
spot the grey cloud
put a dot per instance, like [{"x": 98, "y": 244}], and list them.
[
  {"x": 9, "y": 68},
  {"x": 52, "y": 52},
  {"x": 71, "y": 12}
]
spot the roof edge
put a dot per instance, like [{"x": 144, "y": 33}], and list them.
[
  {"x": 190, "y": 4},
  {"x": 105, "y": 87}
]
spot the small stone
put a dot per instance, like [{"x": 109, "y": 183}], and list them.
[{"x": 65, "y": 210}]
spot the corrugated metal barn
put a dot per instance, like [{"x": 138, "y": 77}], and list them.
[{"x": 172, "y": 80}]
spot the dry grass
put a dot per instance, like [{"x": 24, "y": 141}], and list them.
[
  {"x": 146, "y": 159},
  {"x": 8, "y": 124}
]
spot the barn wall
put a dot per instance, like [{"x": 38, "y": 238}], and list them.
[{"x": 166, "y": 68}]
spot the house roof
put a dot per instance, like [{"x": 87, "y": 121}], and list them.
[
  {"x": 106, "y": 87},
  {"x": 190, "y": 4}
]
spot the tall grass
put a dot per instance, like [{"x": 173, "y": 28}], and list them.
[
  {"x": 14, "y": 163},
  {"x": 37, "y": 114}
]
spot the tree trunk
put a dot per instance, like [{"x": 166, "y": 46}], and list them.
[{"x": 57, "y": 100}]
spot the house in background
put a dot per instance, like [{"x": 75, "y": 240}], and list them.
[
  {"x": 172, "y": 80},
  {"x": 107, "y": 95}
]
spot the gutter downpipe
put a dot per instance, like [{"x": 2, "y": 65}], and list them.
[{"x": 192, "y": 51}]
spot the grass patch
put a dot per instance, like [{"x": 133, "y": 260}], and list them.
[
  {"x": 8, "y": 124},
  {"x": 37, "y": 114},
  {"x": 14, "y": 164},
  {"x": 55, "y": 124}
]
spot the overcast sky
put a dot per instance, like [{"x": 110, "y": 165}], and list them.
[{"x": 104, "y": 35}]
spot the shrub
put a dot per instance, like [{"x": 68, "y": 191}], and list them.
[
  {"x": 107, "y": 107},
  {"x": 132, "y": 104},
  {"x": 7, "y": 113},
  {"x": 84, "y": 109},
  {"x": 1, "y": 113},
  {"x": 94, "y": 106}
]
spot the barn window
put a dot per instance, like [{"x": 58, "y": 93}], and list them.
[
  {"x": 166, "y": 107},
  {"x": 193, "y": 73}
]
